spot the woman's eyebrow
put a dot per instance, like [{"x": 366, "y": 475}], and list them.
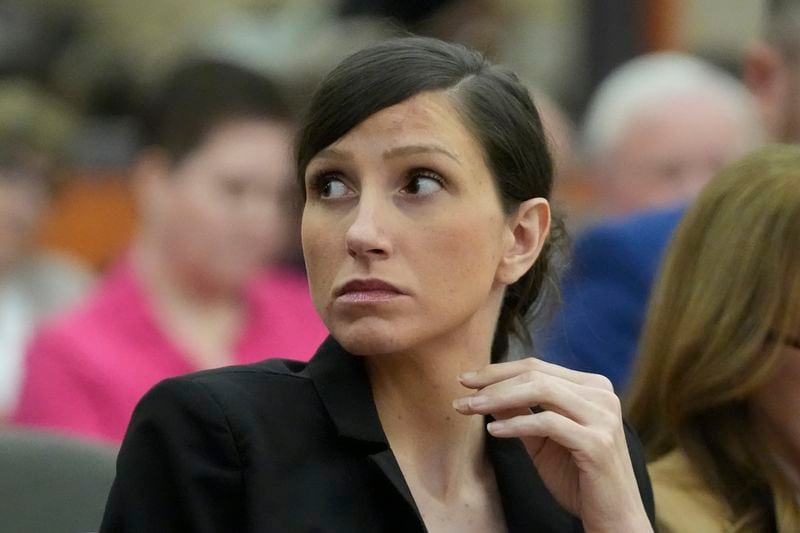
[
  {"x": 398, "y": 151},
  {"x": 334, "y": 153},
  {"x": 413, "y": 149}
]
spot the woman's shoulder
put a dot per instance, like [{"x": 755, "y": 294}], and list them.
[
  {"x": 236, "y": 385},
  {"x": 232, "y": 408},
  {"x": 683, "y": 500},
  {"x": 211, "y": 425}
]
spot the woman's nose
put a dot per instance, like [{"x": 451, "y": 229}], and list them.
[{"x": 367, "y": 236}]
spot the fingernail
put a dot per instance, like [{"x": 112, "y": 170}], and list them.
[
  {"x": 461, "y": 403},
  {"x": 467, "y": 376},
  {"x": 478, "y": 401},
  {"x": 497, "y": 427}
]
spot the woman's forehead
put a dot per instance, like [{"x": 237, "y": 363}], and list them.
[{"x": 425, "y": 123}]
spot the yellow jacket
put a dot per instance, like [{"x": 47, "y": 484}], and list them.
[{"x": 683, "y": 502}]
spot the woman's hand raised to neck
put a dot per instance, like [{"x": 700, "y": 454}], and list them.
[
  {"x": 442, "y": 455},
  {"x": 413, "y": 395}
]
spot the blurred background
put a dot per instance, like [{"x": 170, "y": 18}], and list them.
[
  {"x": 94, "y": 60},
  {"x": 78, "y": 80},
  {"x": 127, "y": 251}
]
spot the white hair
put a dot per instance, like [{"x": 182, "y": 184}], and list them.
[{"x": 649, "y": 80}]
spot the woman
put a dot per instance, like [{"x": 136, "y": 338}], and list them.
[
  {"x": 192, "y": 293},
  {"x": 715, "y": 396},
  {"x": 35, "y": 129},
  {"x": 426, "y": 174}
]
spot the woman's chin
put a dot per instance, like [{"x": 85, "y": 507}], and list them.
[
  {"x": 369, "y": 345},
  {"x": 370, "y": 339}
]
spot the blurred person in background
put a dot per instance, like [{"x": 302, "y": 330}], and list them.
[
  {"x": 604, "y": 293},
  {"x": 198, "y": 288},
  {"x": 560, "y": 132},
  {"x": 659, "y": 127},
  {"x": 654, "y": 134},
  {"x": 615, "y": 263},
  {"x": 716, "y": 391},
  {"x": 34, "y": 285},
  {"x": 772, "y": 71}
]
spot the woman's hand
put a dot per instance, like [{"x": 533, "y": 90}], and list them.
[{"x": 571, "y": 424}]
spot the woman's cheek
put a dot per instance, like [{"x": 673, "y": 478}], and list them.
[
  {"x": 323, "y": 261},
  {"x": 457, "y": 258}
]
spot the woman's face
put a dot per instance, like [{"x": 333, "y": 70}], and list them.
[
  {"x": 777, "y": 402},
  {"x": 403, "y": 232},
  {"x": 22, "y": 203},
  {"x": 220, "y": 211}
]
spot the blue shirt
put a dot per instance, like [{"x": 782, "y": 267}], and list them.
[{"x": 605, "y": 293}]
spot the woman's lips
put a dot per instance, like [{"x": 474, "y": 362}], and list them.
[
  {"x": 367, "y": 296},
  {"x": 367, "y": 291}
]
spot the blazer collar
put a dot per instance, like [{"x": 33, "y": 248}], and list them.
[
  {"x": 343, "y": 386},
  {"x": 527, "y": 504}
]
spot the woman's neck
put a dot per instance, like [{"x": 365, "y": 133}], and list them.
[
  {"x": 785, "y": 453},
  {"x": 441, "y": 449}
]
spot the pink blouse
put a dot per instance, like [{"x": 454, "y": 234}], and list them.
[{"x": 86, "y": 371}]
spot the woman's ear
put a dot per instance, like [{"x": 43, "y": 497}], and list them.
[
  {"x": 765, "y": 75},
  {"x": 524, "y": 239}
]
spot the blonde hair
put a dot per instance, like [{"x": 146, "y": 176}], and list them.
[{"x": 725, "y": 302}]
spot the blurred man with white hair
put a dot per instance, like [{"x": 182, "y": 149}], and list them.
[
  {"x": 654, "y": 133},
  {"x": 659, "y": 127},
  {"x": 614, "y": 264}
]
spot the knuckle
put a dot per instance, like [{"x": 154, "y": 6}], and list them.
[
  {"x": 530, "y": 363},
  {"x": 547, "y": 418},
  {"x": 609, "y": 411},
  {"x": 545, "y": 389},
  {"x": 602, "y": 443},
  {"x": 609, "y": 420},
  {"x": 531, "y": 376},
  {"x": 601, "y": 382},
  {"x": 613, "y": 403}
]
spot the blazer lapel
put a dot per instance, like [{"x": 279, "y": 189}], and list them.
[
  {"x": 386, "y": 461},
  {"x": 343, "y": 386},
  {"x": 527, "y": 504}
]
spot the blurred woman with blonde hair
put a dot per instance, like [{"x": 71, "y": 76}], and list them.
[{"x": 716, "y": 394}]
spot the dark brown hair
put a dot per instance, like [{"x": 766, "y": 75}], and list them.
[
  {"x": 495, "y": 106},
  {"x": 200, "y": 95}
]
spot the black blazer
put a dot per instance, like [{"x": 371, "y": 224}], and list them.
[{"x": 287, "y": 446}]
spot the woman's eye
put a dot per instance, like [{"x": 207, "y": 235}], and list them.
[
  {"x": 423, "y": 184},
  {"x": 334, "y": 189},
  {"x": 331, "y": 187}
]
